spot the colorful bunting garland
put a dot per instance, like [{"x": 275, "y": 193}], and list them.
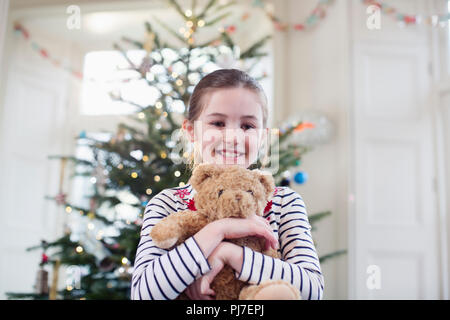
[
  {"x": 318, "y": 13},
  {"x": 19, "y": 28},
  {"x": 405, "y": 19}
]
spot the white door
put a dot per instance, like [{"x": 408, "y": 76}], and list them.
[
  {"x": 32, "y": 126},
  {"x": 395, "y": 233}
]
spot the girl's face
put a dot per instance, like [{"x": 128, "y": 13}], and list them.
[{"x": 229, "y": 130}]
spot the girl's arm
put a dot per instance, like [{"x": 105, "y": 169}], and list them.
[
  {"x": 160, "y": 274},
  {"x": 299, "y": 264}
]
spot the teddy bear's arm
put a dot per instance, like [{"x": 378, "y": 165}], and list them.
[{"x": 177, "y": 227}]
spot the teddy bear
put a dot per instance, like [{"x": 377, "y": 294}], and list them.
[{"x": 226, "y": 192}]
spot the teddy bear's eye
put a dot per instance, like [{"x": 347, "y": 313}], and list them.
[
  {"x": 250, "y": 191},
  {"x": 220, "y": 192}
]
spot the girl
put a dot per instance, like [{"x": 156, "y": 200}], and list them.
[{"x": 227, "y": 100}]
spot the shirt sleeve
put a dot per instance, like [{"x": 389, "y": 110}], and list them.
[
  {"x": 299, "y": 264},
  {"x": 160, "y": 274}
]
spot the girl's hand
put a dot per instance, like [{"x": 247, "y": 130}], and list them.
[
  {"x": 225, "y": 253},
  {"x": 232, "y": 228}
]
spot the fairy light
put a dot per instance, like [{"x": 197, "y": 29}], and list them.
[
  {"x": 148, "y": 191},
  {"x": 141, "y": 115},
  {"x": 69, "y": 288},
  {"x": 186, "y": 155},
  {"x": 145, "y": 158},
  {"x": 177, "y": 173},
  {"x": 181, "y": 184},
  {"x": 163, "y": 155},
  {"x": 165, "y": 114},
  {"x": 182, "y": 30},
  {"x": 179, "y": 82},
  {"x": 120, "y": 166},
  {"x": 189, "y": 24},
  {"x": 188, "y": 13},
  {"x": 68, "y": 209},
  {"x": 157, "y": 178},
  {"x": 158, "y": 105},
  {"x": 134, "y": 175},
  {"x": 124, "y": 260},
  {"x": 201, "y": 23},
  {"x": 79, "y": 249},
  {"x": 90, "y": 226},
  {"x": 99, "y": 235}
]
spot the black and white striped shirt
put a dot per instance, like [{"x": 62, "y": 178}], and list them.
[{"x": 163, "y": 274}]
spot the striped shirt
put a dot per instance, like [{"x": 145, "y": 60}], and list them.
[{"x": 161, "y": 274}]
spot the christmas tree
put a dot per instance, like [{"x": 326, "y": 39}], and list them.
[{"x": 138, "y": 161}]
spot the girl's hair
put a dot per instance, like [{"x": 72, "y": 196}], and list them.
[{"x": 222, "y": 79}]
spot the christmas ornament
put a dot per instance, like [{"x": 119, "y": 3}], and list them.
[
  {"x": 301, "y": 177},
  {"x": 314, "y": 129}
]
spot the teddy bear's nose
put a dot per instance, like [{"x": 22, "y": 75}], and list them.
[{"x": 238, "y": 196}]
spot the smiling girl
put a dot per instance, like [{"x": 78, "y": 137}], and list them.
[{"x": 227, "y": 123}]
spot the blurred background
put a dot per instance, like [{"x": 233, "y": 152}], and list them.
[{"x": 92, "y": 94}]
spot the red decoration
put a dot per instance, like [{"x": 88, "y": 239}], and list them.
[
  {"x": 44, "y": 258},
  {"x": 231, "y": 29},
  {"x": 191, "y": 205},
  {"x": 268, "y": 206},
  {"x": 299, "y": 27}
]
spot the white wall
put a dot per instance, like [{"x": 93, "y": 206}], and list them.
[{"x": 313, "y": 73}]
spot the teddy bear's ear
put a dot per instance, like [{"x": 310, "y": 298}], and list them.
[
  {"x": 203, "y": 172},
  {"x": 267, "y": 181}
]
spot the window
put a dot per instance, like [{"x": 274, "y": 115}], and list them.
[{"x": 107, "y": 73}]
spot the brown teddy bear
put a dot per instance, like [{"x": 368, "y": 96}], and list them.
[{"x": 225, "y": 192}]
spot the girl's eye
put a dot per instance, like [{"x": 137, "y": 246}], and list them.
[
  {"x": 247, "y": 126},
  {"x": 250, "y": 191},
  {"x": 218, "y": 123},
  {"x": 220, "y": 192}
]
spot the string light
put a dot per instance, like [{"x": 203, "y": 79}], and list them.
[
  {"x": 163, "y": 155},
  {"x": 145, "y": 158},
  {"x": 79, "y": 249},
  {"x": 141, "y": 115},
  {"x": 177, "y": 173},
  {"x": 90, "y": 226},
  {"x": 134, "y": 175},
  {"x": 124, "y": 260},
  {"x": 188, "y": 13},
  {"x": 157, "y": 178},
  {"x": 158, "y": 105},
  {"x": 120, "y": 166},
  {"x": 148, "y": 191},
  {"x": 201, "y": 23},
  {"x": 68, "y": 209},
  {"x": 181, "y": 184}
]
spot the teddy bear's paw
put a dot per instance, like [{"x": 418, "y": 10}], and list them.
[
  {"x": 272, "y": 290},
  {"x": 166, "y": 243}
]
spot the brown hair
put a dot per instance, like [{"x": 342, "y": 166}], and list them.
[{"x": 221, "y": 79}]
